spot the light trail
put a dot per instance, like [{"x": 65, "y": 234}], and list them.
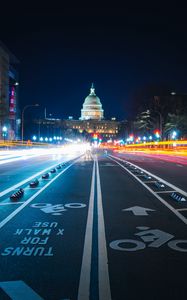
[
  {"x": 7, "y": 156},
  {"x": 172, "y": 151}
]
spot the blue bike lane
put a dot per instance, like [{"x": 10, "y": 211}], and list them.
[{"x": 41, "y": 246}]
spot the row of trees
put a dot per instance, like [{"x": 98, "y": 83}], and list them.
[{"x": 166, "y": 112}]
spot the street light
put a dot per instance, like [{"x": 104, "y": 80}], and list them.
[
  {"x": 22, "y": 118},
  {"x": 160, "y": 123}
]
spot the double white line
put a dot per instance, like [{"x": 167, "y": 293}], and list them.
[{"x": 103, "y": 276}]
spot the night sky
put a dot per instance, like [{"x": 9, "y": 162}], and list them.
[{"x": 62, "y": 50}]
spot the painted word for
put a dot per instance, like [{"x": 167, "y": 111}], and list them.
[{"x": 154, "y": 238}]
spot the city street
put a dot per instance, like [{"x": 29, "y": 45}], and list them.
[{"x": 102, "y": 225}]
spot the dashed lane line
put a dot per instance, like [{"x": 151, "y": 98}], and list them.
[{"x": 176, "y": 212}]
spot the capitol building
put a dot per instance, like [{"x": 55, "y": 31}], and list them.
[
  {"x": 91, "y": 120},
  {"x": 92, "y": 107}
]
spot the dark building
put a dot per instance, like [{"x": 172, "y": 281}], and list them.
[{"x": 9, "y": 112}]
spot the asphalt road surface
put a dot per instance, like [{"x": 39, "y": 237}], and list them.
[{"x": 101, "y": 226}]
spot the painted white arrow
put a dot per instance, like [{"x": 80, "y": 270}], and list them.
[{"x": 138, "y": 210}]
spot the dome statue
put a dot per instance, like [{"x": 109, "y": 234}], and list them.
[{"x": 92, "y": 107}]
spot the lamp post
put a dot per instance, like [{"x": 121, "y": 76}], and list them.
[
  {"x": 160, "y": 124},
  {"x": 22, "y": 118}
]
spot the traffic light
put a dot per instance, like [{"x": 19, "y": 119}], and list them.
[
  {"x": 157, "y": 133},
  {"x": 95, "y": 136}
]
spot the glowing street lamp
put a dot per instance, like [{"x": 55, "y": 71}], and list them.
[
  {"x": 4, "y": 130},
  {"x": 174, "y": 135},
  {"x": 34, "y": 138},
  {"x": 157, "y": 133}
]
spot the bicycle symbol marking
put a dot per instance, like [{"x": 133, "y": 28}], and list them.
[
  {"x": 56, "y": 209},
  {"x": 155, "y": 237}
]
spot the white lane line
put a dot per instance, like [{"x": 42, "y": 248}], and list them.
[
  {"x": 10, "y": 203},
  {"x": 16, "y": 211},
  {"x": 15, "y": 186},
  {"x": 181, "y": 217},
  {"x": 84, "y": 283},
  {"x": 17, "y": 159},
  {"x": 150, "y": 181},
  {"x": 158, "y": 178},
  {"x": 182, "y": 209},
  {"x": 104, "y": 282},
  {"x": 164, "y": 192},
  {"x": 32, "y": 188},
  {"x": 44, "y": 179}
]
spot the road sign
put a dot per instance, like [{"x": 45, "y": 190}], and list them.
[{"x": 138, "y": 210}]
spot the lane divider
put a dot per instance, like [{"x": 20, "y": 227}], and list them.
[
  {"x": 17, "y": 185},
  {"x": 95, "y": 251},
  {"x": 45, "y": 176},
  {"x": 16, "y": 211},
  {"x": 34, "y": 183},
  {"x": 17, "y": 195},
  {"x": 178, "y": 197}
]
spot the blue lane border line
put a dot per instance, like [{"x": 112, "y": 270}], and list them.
[{"x": 94, "y": 283}]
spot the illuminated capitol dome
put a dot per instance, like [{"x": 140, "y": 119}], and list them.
[
  {"x": 91, "y": 121},
  {"x": 92, "y": 107}
]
